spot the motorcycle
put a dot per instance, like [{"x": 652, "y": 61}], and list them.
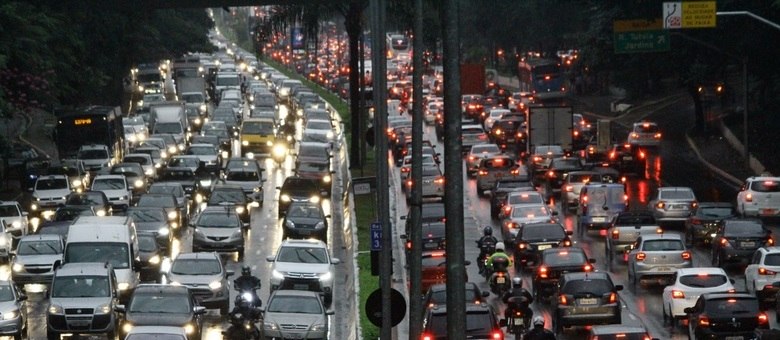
[
  {"x": 518, "y": 316},
  {"x": 279, "y": 150},
  {"x": 485, "y": 251},
  {"x": 499, "y": 282},
  {"x": 244, "y": 319}
]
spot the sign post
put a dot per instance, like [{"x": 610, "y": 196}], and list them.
[
  {"x": 689, "y": 14},
  {"x": 640, "y": 36},
  {"x": 376, "y": 236}
]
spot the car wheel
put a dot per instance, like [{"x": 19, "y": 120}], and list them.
[
  {"x": 580, "y": 228},
  {"x": 225, "y": 308},
  {"x": 666, "y": 316},
  {"x": 564, "y": 205},
  {"x": 631, "y": 278},
  {"x": 557, "y": 326},
  {"x": 240, "y": 253},
  {"x": 52, "y": 335}
]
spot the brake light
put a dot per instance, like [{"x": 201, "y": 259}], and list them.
[
  {"x": 568, "y": 188},
  {"x": 658, "y": 135},
  {"x": 641, "y": 154},
  {"x": 584, "y": 198},
  {"x": 522, "y": 245},
  {"x": 764, "y": 271},
  {"x": 439, "y": 180},
  {"x": 694, "y": 204},
  {"x": 515, "y": 172},
  {"x": 696, "y": 221},
  {"x": 725, "y": 242},
  {"x": 409, "y": 183},
  {"x": 704, "y": 321},
  {"x": 427, "y": 337},
  {"x": 763, "y": 319},
  {"x": 641, "y": 256},
  {"x": 405, "y": 169},
  {"x": 507, "y": 209},
  {"x": 498, "y": 131},
  {"x": 615, "y": 234},
  {"x": 543, "y": 272},
  {"x": 612, "y": 155},
  {"x": 562, "y": 300},
  {"x": 519, "y": 135},
  {"x": 482, "y": 172},
  {"x": 676, "y": 294},
  {"x": 770, "y": 241},
  {"x": 537, "y": 159},
  {"x": 497, "y": 335},
  {"x": 612, "y": 298},
  {"x": 567, "y": 243},
  {"x": 472, "y": 158},
  {"x": 634, "y": 135},
  {"x": 587, "y": 267},
  {"x": 409, "y": 245},
  {"x": 749, "y": 197},
  {"x": 551, "y": 174},
  {"x": 686, "y": 255}
]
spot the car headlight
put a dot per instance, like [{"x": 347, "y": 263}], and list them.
[
  {"x": 215, "y": 285},
  {"x": 270, "y": 326},
  {"x": 100, "y": 212},
  {"x": 245, "y": 142},
  {"x": 326, "y": 277},
  {"x": 163, "y": 154},
  {"x": 182, "y": 146},
  {"x": 172, "y": 215},
  {"x": 55, "y": 309},
  {"x": 202, "y": 109},
  {"x": 240, "y": 210},
  {"x": 329, "y": 135},
  {"x": 318, "y": 328},
  {"x": 34, "y": 206},
  {"x": 250, "y": 155},
  {"x": 199, "y": 197},
  {"x": 285, "y": 198},
  {"x": 326, "y": 178},
  {"x": 289, "y": 224},
  {"x": 11, "y": 314},
  {"x": 173, "y": 225},
  {"x": 315, "y": 199},
  {"x": 172, "y": 149},
  {"x": 189, "y": 329},
  {"x": 319, "y": 225},
  {"x": 205, "y": 182},
  {"x": 164, "y": 231},
  {"x": 157, "y": 165},
  {"x": 279, "y": 150},
  {"x": 149, "y": 172},
  {"x": 154, "y": 260},
  {"x": 76, "y": 183},
  {"x": 269, "y": 143},
  {"x": 123, "y": 198},
  {"x": 123, "y": 286},
  {"x": 104, "y": 309},
  {"x": 17, "y": 267},
  {"x": 16, "y": 224},
  {"x": 139, "y": 183},
  {"x": 196, "y": 121},
  {"x": 127, "y": 327},
  {"x": 277, "y": 274}
]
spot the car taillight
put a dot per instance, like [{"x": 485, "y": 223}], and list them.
[
  {"x": 770, "y": 241},
  {"x": 542, "y": 272},
  {"x": 497, "y": 335},
  {"x": 748, "y": 197},
  {"x": 612, "y": 155},
  {"x": 519, "y": 135},
  {"x": 658, "y": 135},
  {"x": 568, "y": 188},
  {"x": 507, "y": 209},
  {"x": 764, "y": 271},
  {"x": 642, "y": 154},
  {"x": 634, "y": 135},
  {"x": 724, "y": 242},
  {"x": 409, "y": 183},
  {"x": 615, "y": 234},
  {"x": 686, "y": 255},
  {"x": 612, "y": 297},
  {"x": 587, "y": 267},
  {"x": 405, "y": 169},
  {"x": 696, "y": 221},
  {"x": 676, "y": 294},
  {"x": 567, "y": 243},
  {"x": 704, "y": 321},
  {"x": 694, "y": 204},
  {"x": 515, "y": 172},
  {"x": 537, "y": 159},
  {"x": 641, "y": 256},
  {"x": 427, "y": 337},
  {"x": 408, "y": 245},
  {"x": 439, "y": 180},
  {"x": 562, "y": 300},
  {"x": 551, "y": 174},
  {"x": 522, "y": 245},
  {"x": 763, "y": 319}
]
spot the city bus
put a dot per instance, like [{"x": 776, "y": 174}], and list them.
[
  {"x": 100, "y": 125},
  {"x": 543, "y": 78}
]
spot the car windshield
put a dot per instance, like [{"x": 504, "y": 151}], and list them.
[
  {"x": 529, "y": 211},
  {"x": 312, "y": 167},
  {"x": 6, "y": 293},
  {"x": 147, "y": 215},
  {"x": 92, "y": 154},
  {"x": 102, "y": 252},
  {"x": 543, "y": 232},
  {"x": 82, "y": 199},
  {"x": 564, "y": 257},
  {"x": 80, "y": 286},
  {"x": 147, "y": 243},
  {"x": 440, "y": 296},
  {"x": 663, "y": 245},
  {"x": 160, "y": 188},
  {"x": 295, "y": 304},
  {"x": 202, "y": 151},
  {"x": 227, "y": 219},
  {"x": 177, "y": 175},
  {"x": 227, "y": 196},
  {"x": 765, "y": 186},
  {"x": 151, "y": 200},
  {"x": 51, "y": 184},
  {"x": 677, "y": 195},
  {"x": 153, "y": 335},
  {"x": 305, "y": 211},
  {"x": 302, "y": 255},
  {"x": 196, "y": 267},
  {"x": 258, "y": 128},
  {"x": 157, "y": 143},
  {"x": 184, "y": 162},
  {"x": 731, "y": 306},
  {"x": 159, "y": 303},
  {"x": 313, "y": 151},
  {"x": 521, "y": 198},
  {"x": 152, "y": 152},
  {"x": 127, "y": 171},
  {"x": 137, "y": 159},
  {"x": 39, "y": 247},
  {"x": 108, "y": 184},
  {"x": 593, "y": 286},
  {"x": 743, "y": 228},
  {"x": 242, "y": 176},
  {"x": 703, "y": 280},
  {"x": 9, "y": 211},
  {"x": 215, "y": 132}
]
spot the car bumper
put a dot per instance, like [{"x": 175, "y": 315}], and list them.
[
  {"x": 291, "y": 334},
  {"x": 81, "y": 324},
  {"x": 23, "y": 278},
  {"x": 643, "y": 269},
  {"x": 12, "y": 326},
  {"x": 227, "y": 246},
  {"x": 678, "y": 306},
  {"x": 672, "y": 216},
  {"x": 759, "y": 211},
  {"x": 589, "y": 315},
  {"x": 737, "y": 255}
]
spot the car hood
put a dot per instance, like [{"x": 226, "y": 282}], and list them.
[
  {"x": 7, "y": 306},
  {"x": 299, "y": 318},
  {"x": 37, "y": 259},
  {"x": 304, "y": 221},
  {"x": 150, "y": 227},
  {"x": 158, "y": 319},
  {"x": 218, "y": 232},
  {"x": 115, "y": 192},
  {"x": 315, "y": 268},
  {"x": 80, "y": 302},
  {"x": 56, "y": 193},
  {"x": 200, "y": 281}
]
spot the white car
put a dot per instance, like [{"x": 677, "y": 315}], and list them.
[
  {"x": 116, "y": 189},
  {"x": 432, "y": 183},
  {"x": 688, "y": 285},
  {"x": 94, "y": 157},
  {"x": 406, "y": 167},
  {"x": 762, "y": 272},
  {"x": 146, "y": 161},
  {"x": 493, "y": 116},
  {"x": 477, "y": 154},
  {"x": 49, "y": 193},
  {"x": 759, "y": 196},
  {"x": 645, "y": 134},
  {"x": 318, "y": 130},
  {"x": 14, "y": 218},
  {"x": 303, "y": 264}
]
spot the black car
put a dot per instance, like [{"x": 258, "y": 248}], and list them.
[
  {"x": 508, "y": 133},
  {"x": 708, "y": 217},
  {"x": 587, "y": 298},
  {"x": 165, "y": 201},
  {"x": 153, "y": 221},
  {"x": 501, "y": 191},
  {"x": 151, "y": 256},
  {"x": 304, "y": 220},
  {"x": 433, "y": 237},
  {"x": 556, "y": 172},
  {"x": 429, "y": 212},
  {"x": 317, "y": 171},
  {"x": 95, "y": 199},
  {"x": 533, "y": 238},
  {"x": 736, "y": 241},
  {"x": 437, "y": 295},
  {"x": 481, "y": 323},
  {"x": 724, "y": 316},
  {"x": 232, "y": 195},
  {"x": 189, "y": 181},
  {"x": 627, "y": 159},
  {"x": 553, "y": 263},
  {"x": 297, "y": 189},
  {"x": 163, "y": 305}
]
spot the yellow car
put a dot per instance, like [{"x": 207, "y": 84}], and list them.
[{"x": 257, "y": 136}]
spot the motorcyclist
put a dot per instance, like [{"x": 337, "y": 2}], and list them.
[
  {"x": 538, "y": 332},
  {"x": 487, "y": 239},
  {"x": 499, "y": 261},
  {"x": 248, "y": 283},
  {"x": 518, "y": 298}
]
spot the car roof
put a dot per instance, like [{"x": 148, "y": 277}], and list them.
[
  {"x": 585, "y": 276},
  {"x": 701, "y": 270},
  {"x": 83, "y": 268},
  {"x": 41, "y": 237},
  {"x": 470, "y": 308},
  {"x": 303, "y": 243},
  {"x": 617, "y": 329},
  {"x": 160, "y": 288},
  {"x": 663, "y": 236},
  {"x": 198, "y": 255}
]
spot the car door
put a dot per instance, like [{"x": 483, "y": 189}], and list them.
[{"x": 752, "y": 270}]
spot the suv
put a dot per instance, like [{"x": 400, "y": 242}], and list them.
[
  {"x": 82, "y": 300},
  {"x": 759, "y": 196},
  {"x": 599, "y": 204},
  {"x": 303, "y": 264},
  {"x": 588, "y": 298},
  {"x": 296, "y": 189},
  {"x": 481, "y": 323},
  {"x": 95, "y": 157},
  {"x": 727, "y": 315},
  {"x": 762, "y": 272},
  {"x": 15, "y": 219},
  {"x": 163, "y": 305},
  {"x": 116, "y": 189},
  {"x": 49, "y": 193},
  {"x": 737, "y": 240},
  {"x": 205, "y": 276}
]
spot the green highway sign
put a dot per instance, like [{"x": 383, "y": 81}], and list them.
[{"x": 641, "y": 41}]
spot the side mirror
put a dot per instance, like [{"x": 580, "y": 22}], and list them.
[
  {"x": 485, "y": 294},
  {"x": 466, "y": 263},
  {"x": 329, "y": 312},
  {"x": 618, "y": 287},
  {"x": 119, "y": 308},
  {"x": 335, "y": 261},
  {"x": 22, "y": 297},
  {"x": 502, "y": 323},
  {"x": 689, "y": 310},
  {"x": 592, "y": 261},
  {"x": 199, "y": 310},
  {"x": 403, "y": 236},
  {"x": 269, "y": 258},
  {"x": 230, "y": 273}
]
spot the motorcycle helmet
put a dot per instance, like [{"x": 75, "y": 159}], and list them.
[
  {"x": 500, "y": 247},
  {"x": 246, "y": 271},
  {"x": 538, "y": 321},
  {"x": 487, "y": 231},
  {"x": 517, "y": 282}
]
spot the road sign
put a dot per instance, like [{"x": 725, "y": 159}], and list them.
[
  {"x": 376, "y": 236},
  {"x": 642, "y": 41},
  {"x": 374, "y": 307},
  {"x": 689, "y": 14},
  {"x": 635, "y": 25}
]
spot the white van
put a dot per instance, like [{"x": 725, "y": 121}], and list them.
[{"x": 104, "y": 239}]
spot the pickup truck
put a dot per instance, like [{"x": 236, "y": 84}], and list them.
[{"x": 624, "y": 231}]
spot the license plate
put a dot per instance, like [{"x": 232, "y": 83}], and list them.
[
  {"x": 599, "y": 219},
  {"x": 680, "y": 207},
  {"x": 663, "y": 269},
  {"x": 733, "y": 338},
  {"x": 294, "y": 336},
  {"x": 518, "y": 321},
  {"x": 748, "y": 244},
  {"x": 544, "y": 246},
  {"x": 510, "y": 140},
  {"x": 300, "y": 287},
  {"x": 767, "y": 211},
  {"x": 431, "y": 245},
  {"x": 627, "y": 158},
  {"x": 498, "y": 174},
  {"x": 588, "y": 301},
  {"x": 500, "y": 280}
]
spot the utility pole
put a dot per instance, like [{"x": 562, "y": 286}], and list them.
[
  {"x": 415, "y": 267},
  {"x": 453, "y": 167}
]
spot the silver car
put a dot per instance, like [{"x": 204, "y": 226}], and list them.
[
  {"x": 37, "y": 256},
  {"x": 658, "y": 256},
  {"x": 206, "y": 277},
  {"x": 572, "y": 184},
  {"x": 13, "y": 308},
  {"x": 295, "y": 314},
  {"x": 478, "y": 153},
  {"x": 673, "y": 204},
  {"x": 303, "y": 264},
  {"x": 523, "y": 214}
]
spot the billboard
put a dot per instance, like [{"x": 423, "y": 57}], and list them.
[{"x": 297, "y": 38}]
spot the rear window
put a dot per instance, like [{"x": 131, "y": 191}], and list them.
[
  {"x": 622, "y": 336},
  {"x": 563, "y": 257},
  {"x": 733, "y": 229},
  {"x": 677, "y": 194},
  {"x": 731, "y": 306},
  {"x": 566, "y": 163},
  {"x": 542, "y": 232},
  {"x": 434, "y": 261},
  {"x": 433, "y": 230},
  {"x": 549, "y": 149},
  {"x": 765, "y": 186},
  {"x": 472, "y": 131},
  {"x": 649, "y": 128},
  {"x": 429, "y": 172},
  {"x": 599, "y": 195},
  {"x": 531, "y": 197},
  {"x": 663, "y": 245},
  {"x": 703, "y": 280},
  {"x": 593, "y": 286},
  {"x": 530, "y": 211},
  {"x": 498, "y": 164},
  {"x": 772, "y": 260},
  {"x": 635, "y": 220}
]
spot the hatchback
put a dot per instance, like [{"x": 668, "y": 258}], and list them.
[{"x": 586, "y": 299}]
